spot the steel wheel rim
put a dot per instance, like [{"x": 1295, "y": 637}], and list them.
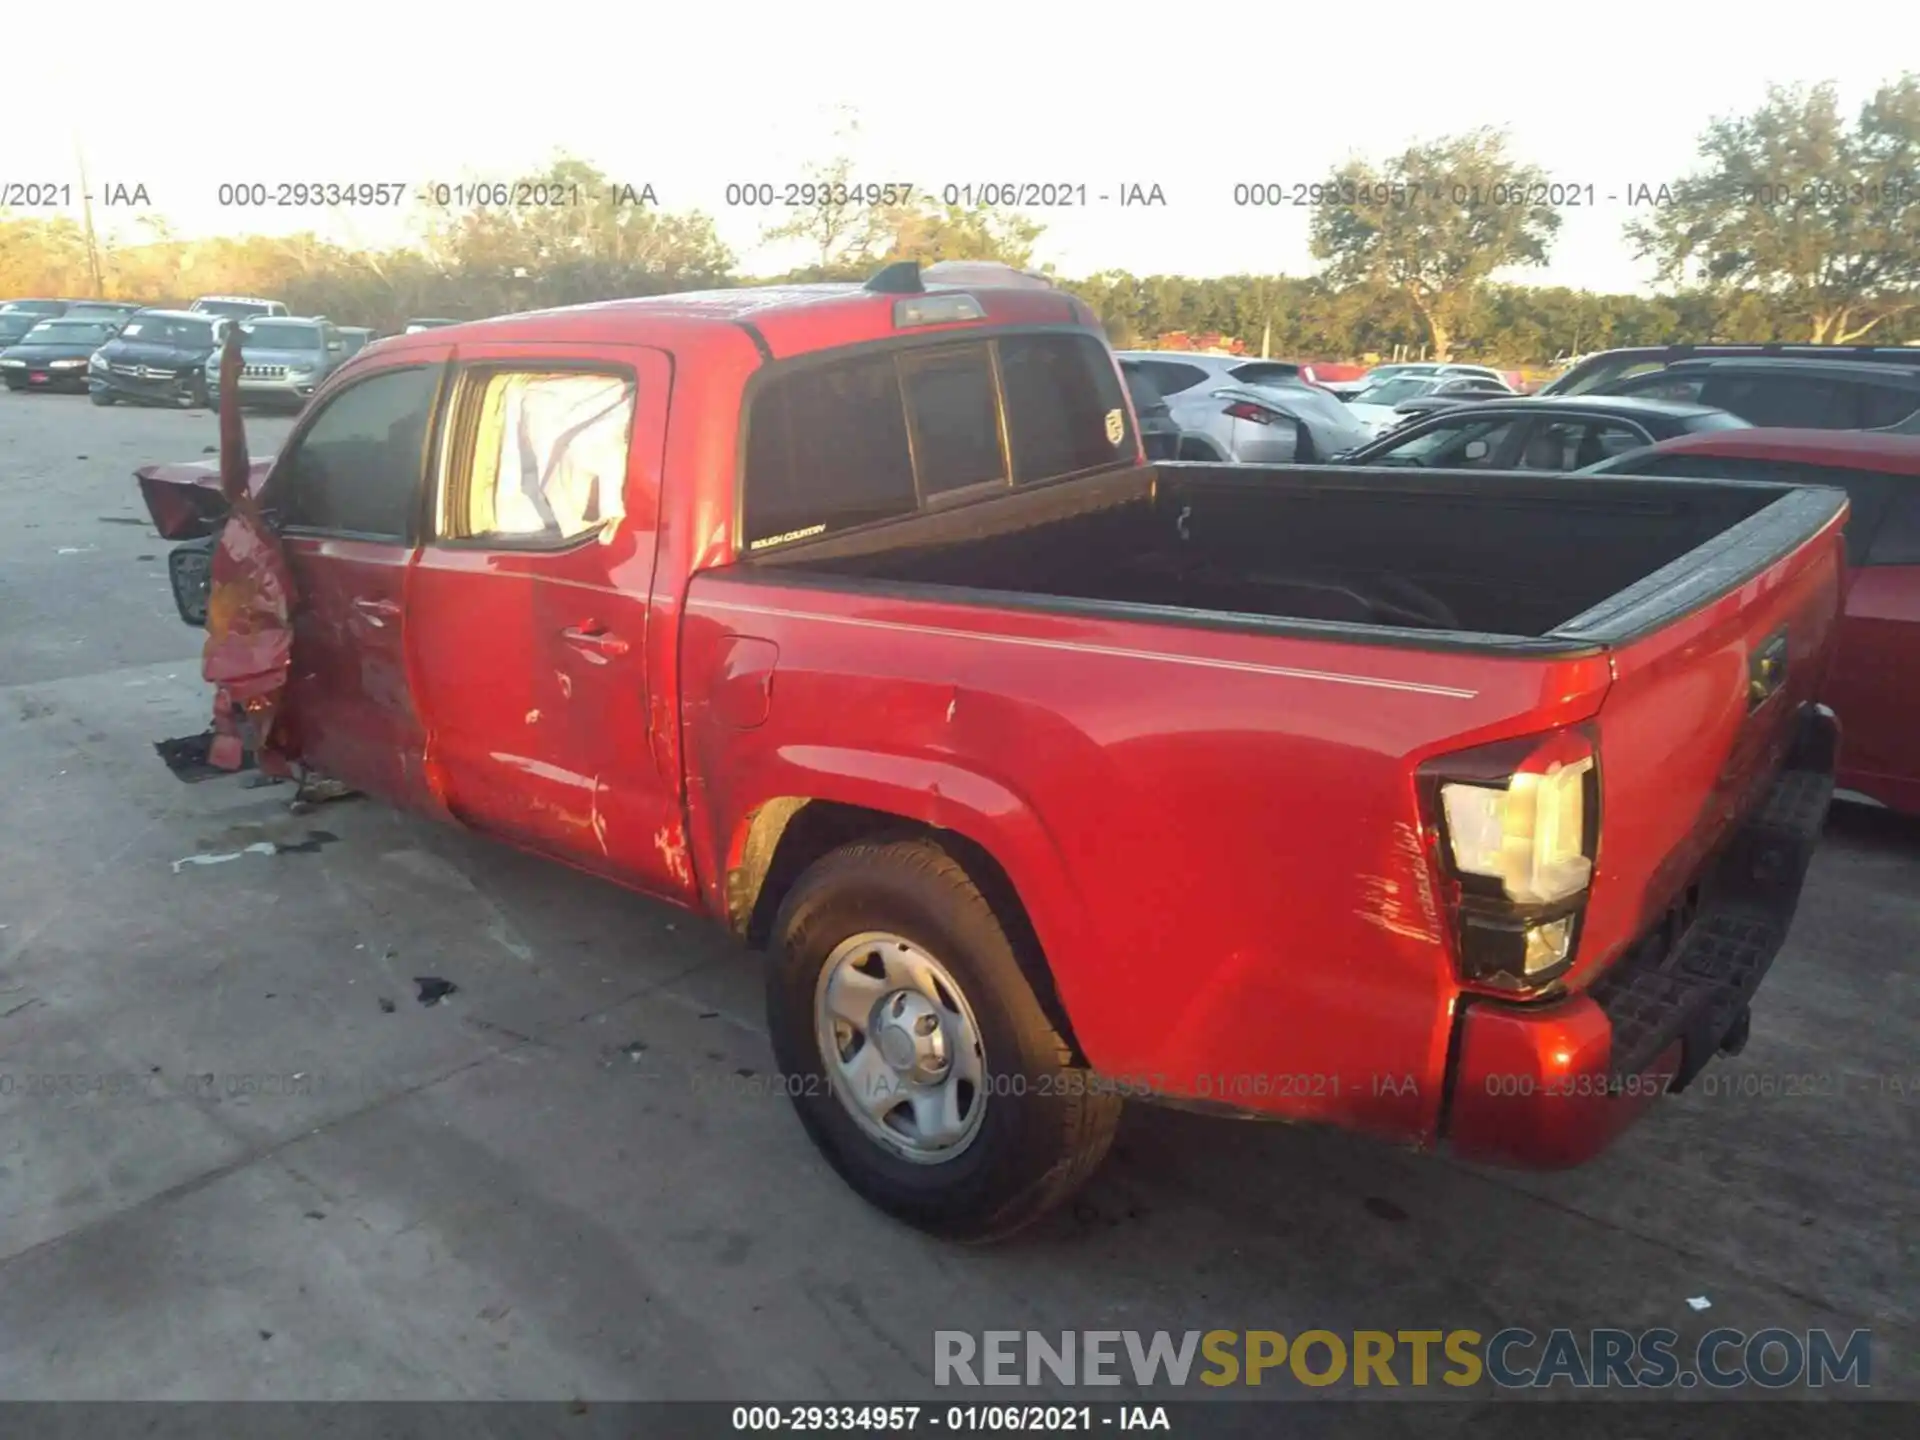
[{"x": 901, "y": 1047}]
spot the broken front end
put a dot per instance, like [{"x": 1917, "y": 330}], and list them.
[{"x": 231, "y": 577}]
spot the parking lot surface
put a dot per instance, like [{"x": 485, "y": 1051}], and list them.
[{"x": 239, "y": 1158}]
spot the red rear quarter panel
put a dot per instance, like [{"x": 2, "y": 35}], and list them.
[{"x": 1216, "y": 835}]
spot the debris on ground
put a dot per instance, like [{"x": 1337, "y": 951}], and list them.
[
  {"x": 433, "y": 989},
  {"x": 387, "y": 1007},
  {"x": 319, "y": 790},
  {"x": 1699, "y": 1302},
  {"x": 187, "y": 757},
  {"x": 264, "y": 847},
  {"x": 307, "y": 844}
]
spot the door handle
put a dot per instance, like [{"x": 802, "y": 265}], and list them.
[
  {"x": 378, "y": 611},
  {"x": 592, "y": 638}
]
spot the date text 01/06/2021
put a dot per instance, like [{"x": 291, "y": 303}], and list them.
[
  {"x": 912, "y": 1419},
  {"x": 441, "y": 194}
]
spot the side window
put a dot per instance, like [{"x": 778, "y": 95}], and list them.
[
  {"x": 1573, "y": 444},
  {"x": 1170, "y": 377},
  {"x": 1683, "y": 387},
  {"x": 1461, "y": 444},
  {"x": 1605, "y": 440},
  {"x": 1898, "y": 540},
  {"x": 1064, "y": 408},
  {"x": 827, "y": 449},
  {"x": 356, "y": 469},
  {"x": 954, "y": 408},
  {"x": 542, "y": 455},
  {"x": 1884, "y": 405},
  {"x": 1782, "y": 401},
  {"x": 1268, "y": 373}
]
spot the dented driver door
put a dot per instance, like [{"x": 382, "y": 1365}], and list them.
[
  {"x": 529, "y": 607},
  {"x": 344, "y": 495}
]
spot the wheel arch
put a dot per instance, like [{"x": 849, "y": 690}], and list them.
[{"x": 780, "y": 838}]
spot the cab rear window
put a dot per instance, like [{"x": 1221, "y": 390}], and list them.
[{"x": 834, "y": 445}]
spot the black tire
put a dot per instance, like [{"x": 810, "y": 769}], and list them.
[
  {"x": 1046, "y": 1127},
  {"x": 100, "y": 397},
  {"x": 197, "y": 397},
  {"x": 13, "y": 384}
]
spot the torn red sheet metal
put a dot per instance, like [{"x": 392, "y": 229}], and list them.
[
  {"x": 184, "y": 497},
  {"x": 249, "y": 649}
]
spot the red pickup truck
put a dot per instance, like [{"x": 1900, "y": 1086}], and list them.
[{"x": 1462, "y": 809}]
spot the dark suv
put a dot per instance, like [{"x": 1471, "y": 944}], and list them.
[
  {"x": 1821, "y": 387},
  {"x": 1799, "y": 394}
]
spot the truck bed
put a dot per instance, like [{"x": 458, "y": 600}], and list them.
[{"x": 1431, "y": 558}]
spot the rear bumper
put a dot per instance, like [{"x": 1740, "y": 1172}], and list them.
[{"x": 1551, "y": 1085}]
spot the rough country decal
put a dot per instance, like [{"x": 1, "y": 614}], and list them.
[
  {"x": 790, "y": 535},
  {"x": 1116, "y": 426}
]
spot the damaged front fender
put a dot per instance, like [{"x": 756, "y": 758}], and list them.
[{"x": 250, "y": 600}]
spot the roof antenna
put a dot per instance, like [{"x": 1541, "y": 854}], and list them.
[{"x": 900, "y": 278}]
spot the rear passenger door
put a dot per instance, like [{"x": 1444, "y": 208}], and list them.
[
  {"x": 529, "y": 607},
  {"x": 1874, "y": 681},
  {"x": 344, "y": 494}
]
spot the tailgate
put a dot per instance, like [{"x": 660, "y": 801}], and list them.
[{"x": 1703, "y": 709}]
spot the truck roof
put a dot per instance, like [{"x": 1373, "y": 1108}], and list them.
[{"x": 787, "y": 320}]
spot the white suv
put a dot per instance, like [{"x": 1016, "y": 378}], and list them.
[{"x": 238, "y": 307}]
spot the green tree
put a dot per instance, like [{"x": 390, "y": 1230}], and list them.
[
  {"x": 598, "y": 239},
  {"x": 1432, "y": 224},
  {"x": 1792, "y": 204},
  {"x": 842, "y": 231},
  {"x": 929, "y": 232}
]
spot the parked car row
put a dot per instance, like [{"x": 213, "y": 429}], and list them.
[
  {"x": 1450, "y": 416},
  {"x": 123, "y": 353}
]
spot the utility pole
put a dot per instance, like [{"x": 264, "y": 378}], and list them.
[{"x": 86, "y": 219}]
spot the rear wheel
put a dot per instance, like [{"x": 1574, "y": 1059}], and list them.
[
  {"x": 197, "y": 397},
  {"x": 916, "y": 1054},
  {"x": 100, "y": 397},
  {"x": 13, "y": 384}
]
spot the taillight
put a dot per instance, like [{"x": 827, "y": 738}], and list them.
[
  {"x": 1247, "y": 410},
  {"x": 1517, "y": 828}
]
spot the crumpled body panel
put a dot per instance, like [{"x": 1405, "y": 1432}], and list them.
[{"x": 249, "y": 648}]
